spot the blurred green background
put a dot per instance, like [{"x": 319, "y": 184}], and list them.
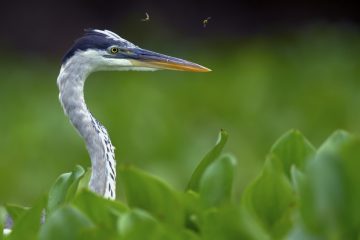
[{"x": 262, "y": 84}]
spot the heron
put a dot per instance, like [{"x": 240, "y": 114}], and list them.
[{"x": 104, "y": 50}]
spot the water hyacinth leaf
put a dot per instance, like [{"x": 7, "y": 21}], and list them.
[
  {"x": 292, "y": 149},
  {"x": 28, "y": 225},
  {"x": 333, "y": 143},
  {"x": 188, "y": 235},
  {"x": 319, "y": 200},
  {"x": 207, "y": 160},
  {"x": 330, "y": 194},
  {"x": 77, "y": 174},
  {"x": 138, "y": 224},
  {"x": 299, "y": 232},
  {"x": 193, "y": 208},
  {"x": 323, "y": 192},
  {"x": 350, "y": 166},
  {"x": 297, "y": 178},
  {"x": 66, "y": 223},
  {"x": 101, "y": 211},
  {"x": 3, "y": 214},
  {"x": 230, "y": 222},
  {"x": 153, "y": 195},
  {"x": 16, "y": 211},
  {"x": 271, "y": 199},
  {"x": 64, "y": 188},
  {"x": 84, "y": 181},
  {"x": 217, "y": 181},
  {"x": 253, "y": 228}
]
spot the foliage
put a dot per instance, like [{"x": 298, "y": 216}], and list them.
[{"x": 301, "y": 193}]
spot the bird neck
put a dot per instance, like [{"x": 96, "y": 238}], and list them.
[{"x": 71, "y": 82}]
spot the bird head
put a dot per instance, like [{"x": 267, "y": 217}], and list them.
[{"x": 105, "y": 50}]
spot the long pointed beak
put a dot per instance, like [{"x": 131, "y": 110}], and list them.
[{"x": 145, "y": 58}]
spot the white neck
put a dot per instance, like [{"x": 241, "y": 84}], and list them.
[{"x": 71, "y": 85}]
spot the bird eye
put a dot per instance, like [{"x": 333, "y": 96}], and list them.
[{"x": 114, "y": 50}]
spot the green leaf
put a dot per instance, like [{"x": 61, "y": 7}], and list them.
[
  {"x": 155, "y": 196},
  {"x": 322, "y": 195},
  {"x": 206, "y": 161},
  {"x": 333, "y": 143},
  {"x": 297, "y": 178},
  {"x": 300, "y": 233},
  {"x": 217, "y": 181},
  {"x": 193, "y": 210},
  {"x": 292, "y": 149},
  {"x": 68, "y": 223},
  {"x": 84, "y": 181},
  {"x": 270, "y": 199},
  {"x": 16, "y": 211},
  {"x": 231, "y": 223},
  {"x": 350, "y": 166},
  {"x": 138, "y": 224},
  {"x": 330, "y": 193},
  {"x": 28, "y": 224},
  {"x": 64, "y": 189},
  {"x": 101, "y": 211},
  {"x": 2, "y": 221}
]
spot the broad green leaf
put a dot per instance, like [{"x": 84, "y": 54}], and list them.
[
  {"x": 84, "y": 181},
  {"x": 217, "y": 181},
  {"x": 64, "y": 189},
  {"x": 253, "y": 228},
  {"x": 322, "y": 195},
  {"x": 206, "y": 161},
  {"x": 189, "y": 235},
  {"x": 351, "y": 166},
  {"x": 28, "y": 225},
  {"x": 16, "y": 211},
  {"x": 231, "y": 223},
  {"x": 3, "y": 214},
  {"x": 193, "y": 210},
  {"x": 138, "y": 224},
  {"x": 101, "y": 211},
  {"x": 297, "y": 178},
  {"x": 292, "y": 149},
  {"x": 76, "y": 175},
  {"x": 330, "y": 193},
  {"x": 300, "y": 233},
  {"x": 334, "y": 143},
  {"x": 271, "y": 200},
  {"x": 66, "y": 222},
  {"x": 153, "y": 195}
]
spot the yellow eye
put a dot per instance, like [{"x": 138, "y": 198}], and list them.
[{"x": 114, "y": 50}]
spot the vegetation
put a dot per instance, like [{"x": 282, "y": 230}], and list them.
[{"x": 301, "y": 193}]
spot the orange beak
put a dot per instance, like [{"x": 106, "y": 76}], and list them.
[{"x": 145, "y": 58}]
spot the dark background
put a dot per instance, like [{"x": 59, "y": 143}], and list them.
[
  {"x": 47, "y": 27},
  {"x": 276, "y": 66}
]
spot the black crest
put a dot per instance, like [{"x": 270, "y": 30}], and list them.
[{"x": 96, "y": 39}]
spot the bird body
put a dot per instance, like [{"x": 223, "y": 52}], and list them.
[
  {"x": 71, "y": 82},
  {"x": 103, "y": 50},
  {"x": 110, "y": 163}
]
